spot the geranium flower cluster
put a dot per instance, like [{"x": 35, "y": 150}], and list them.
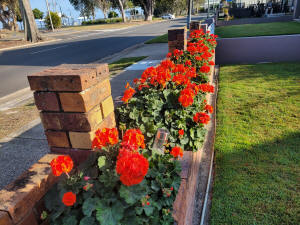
[
  {"x": 131, "y": 165},
  {"x": 105, "y": 137}
]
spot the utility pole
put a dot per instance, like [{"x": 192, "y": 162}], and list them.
[
  {"x": 207, "y": 8},
  {"x": 49, "y": 16},
  {"x": 189, "y": 14}
]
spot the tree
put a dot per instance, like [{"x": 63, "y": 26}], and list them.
[
  {"x": 147, "y": 6},
  {"x": 56, "y": 20},
  {"x": 121, "y": 5},
  {"x": 37, "y": 14},
  {"x": 9, "y": 10},
  {"x": 31, "y": 32},
  {"x": 104, "y": 5},
  {"x": 86, "y": 7}
]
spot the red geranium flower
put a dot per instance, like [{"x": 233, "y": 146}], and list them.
[
  {"x": 206, "y": 88},
  {"x": 61, "y": 164},
  {"x": 186, "y": 97},
  {"x": 181, "y": 132},
  {"x": 205, "y": 68},
  {"x": 134, "y": 138},
  {"x": 209, "y": 108},
  {"x": 211, "y": 63},
  {"x": 128, "y": 93},
  {"x": 69, "y": 198},
  {"x": 177, "y": 151},
  {"x": 201, "y": 117},
  {"x": 132, "y": 168},
  {"x": 105, "y": 137}
]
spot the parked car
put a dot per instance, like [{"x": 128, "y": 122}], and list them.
[{"x": 168, "y": 16}]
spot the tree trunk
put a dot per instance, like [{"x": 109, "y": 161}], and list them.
[
  {"x": 148, "y": 9},
  {"x": 30, "y": 28},
  {"x": 122, "y": 10}
]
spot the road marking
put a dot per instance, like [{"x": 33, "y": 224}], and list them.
[{"x": 49, "y": 49}]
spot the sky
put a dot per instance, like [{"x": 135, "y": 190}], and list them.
[{"x": 61, "y": 5}]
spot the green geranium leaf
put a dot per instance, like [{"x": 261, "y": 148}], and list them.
[
  {"x": 101, "y": 161},
  {"x": 89, "y": 206},
  {"x": 134, "y": 193},
  {"x": 70, "y": 220},
  {"x": 148, "y": 209},
  {"x": 88, "y": 221},
  {"x": 110, "y": 215}
]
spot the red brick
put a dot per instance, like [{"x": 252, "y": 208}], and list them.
[
  {"x": 19, "y": 197},
  {"x": 5, "y": 219},
  {"x": 46, "y": 101},
  {"x": 68, "y": 78},
  {"x": 83, "y": 140},
  {"x": 87, "y": 99},
  {"x": 29, "y": 220},
  {"x": 72, "y": 121},
  {"x": 57, "y": 139}
]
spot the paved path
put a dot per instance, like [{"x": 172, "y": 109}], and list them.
[{"x": 249, "y": 50}]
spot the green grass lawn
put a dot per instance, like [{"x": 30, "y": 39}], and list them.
[
  {"x": 118, "y": 66},
  {"x": 263, "y": 29},
  {"x": 159, "y": 39},
  {"x": 257, "y": 173}
]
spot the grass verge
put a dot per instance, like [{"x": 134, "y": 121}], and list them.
[
  {"x": 263, "y": 29},
  {"x": 117, "y": 66},
  {"x": 159, "y": 39},
  {"x": 257, "y": 145}
]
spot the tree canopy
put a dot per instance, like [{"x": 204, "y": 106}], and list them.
[{"x": 37, "y": 14}]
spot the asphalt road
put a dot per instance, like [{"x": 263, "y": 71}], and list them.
[{"x": 76, "y": 48}]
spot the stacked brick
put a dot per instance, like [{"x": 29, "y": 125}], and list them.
[
  {"x": 75, "y": 101},
  {"x": 21, "y": 202},
  {"x": 177, "y": 39},
  {"x": 195, "y": 25}
]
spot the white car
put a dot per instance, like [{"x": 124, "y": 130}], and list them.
[{"x": 168, "y": 16}]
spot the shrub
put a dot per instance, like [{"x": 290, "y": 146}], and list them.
[
  {"x": 56, "y": 20},
  {"x": 102, "y": 21},
  {"x": 112, "y": 14}
]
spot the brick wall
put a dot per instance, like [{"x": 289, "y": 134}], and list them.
[
  {"x": 177, "y": 39},
  {"x": 75, "y": 101}
]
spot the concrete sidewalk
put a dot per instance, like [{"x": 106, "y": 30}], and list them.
[{"x": 21, "y": 149}]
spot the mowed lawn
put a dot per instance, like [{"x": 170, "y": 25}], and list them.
[
  {"x": 257, "y": 164},
  {"x": 262, "y": 29}
]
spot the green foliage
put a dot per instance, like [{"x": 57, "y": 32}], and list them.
[
  {"x": 112, "y": 14},
  {"x": 56, "y": 20},
  {"x": 109, "y": 202},
  {"x": 102, "y": 21},
  {"x": 37, "y": 14}
]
